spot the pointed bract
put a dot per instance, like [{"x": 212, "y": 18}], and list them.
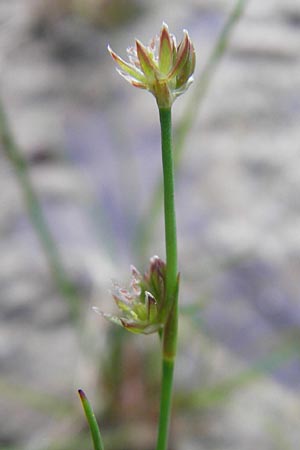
[
  {"x": 188, "y": 68},
  {"x": 146, "y": 62},
  {"x": 181, "y": 56},
  {"x": 165, "y": 50},
  {"x": 126, "y": 68}
]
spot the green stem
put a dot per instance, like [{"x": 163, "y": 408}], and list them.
[
  {"x": 36, "y": 215},
  {"x": 169, "y": 337},
  {"x": 187, "y": 121},
  {"x": 165, "y": 403},
  {"x": 169, "y": 201}
]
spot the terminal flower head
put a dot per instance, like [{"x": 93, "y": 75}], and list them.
[
  {"x": 163, "y": 67},
  {"x": 142, "y": 303}
]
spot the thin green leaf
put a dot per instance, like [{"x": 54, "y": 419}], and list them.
[{"x": 94, "y": 428}]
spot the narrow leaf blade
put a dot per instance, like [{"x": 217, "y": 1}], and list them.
[{"x": 93, "y": 425}]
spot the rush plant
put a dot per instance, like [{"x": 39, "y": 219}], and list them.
[{"x": 150, "y": 303}]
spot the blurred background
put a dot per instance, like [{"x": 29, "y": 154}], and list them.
[{"x": 80, "y": 201}]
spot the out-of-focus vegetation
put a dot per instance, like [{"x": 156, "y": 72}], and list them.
[
  {"x": 100, "y": 13},
  {"x": 121, "y": 413}
]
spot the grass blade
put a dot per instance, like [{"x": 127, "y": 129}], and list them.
[{"x": 93, "y": 425}]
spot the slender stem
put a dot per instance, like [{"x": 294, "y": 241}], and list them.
[
  {"x": 205, "y": 79},
  {"x": 188, "y": 119},
  {"x": 169, "y": 337},
  {"x": 36, "y": 215},
  {"x": 165, "y": 402},
  {"x": 169, "y": 201}
]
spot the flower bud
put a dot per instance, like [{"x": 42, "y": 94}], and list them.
[
  {"x": 142, "y": 304},
  {"x": 162, "y": 67}
]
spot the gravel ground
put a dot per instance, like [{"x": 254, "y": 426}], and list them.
[{"x": 88, "y": 137}]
